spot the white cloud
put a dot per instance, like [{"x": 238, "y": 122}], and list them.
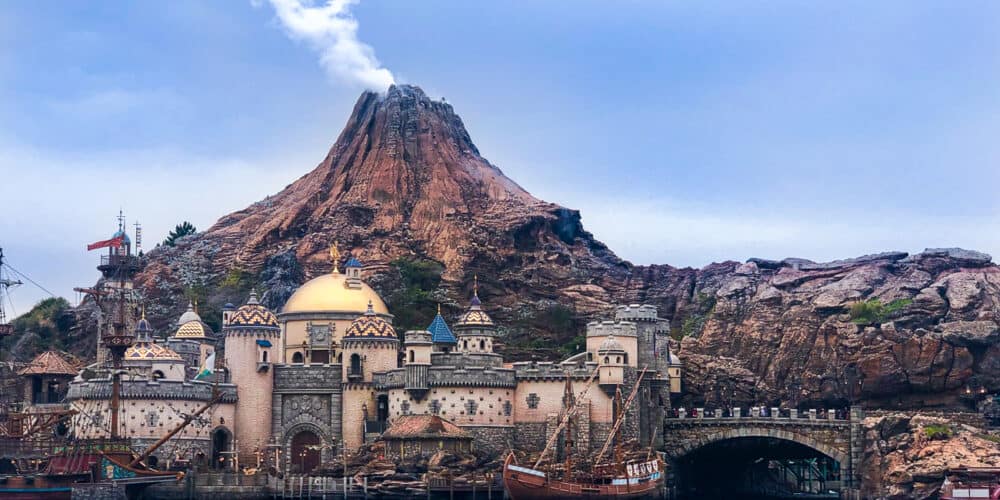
[
  {"x": 57, "y": 203},
  {"x": 332, "y": 32}
]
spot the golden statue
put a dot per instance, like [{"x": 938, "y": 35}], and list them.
[{"x": 335, "y": 257}]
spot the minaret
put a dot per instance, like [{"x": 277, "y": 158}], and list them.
[{"x": 252, "y": 336}]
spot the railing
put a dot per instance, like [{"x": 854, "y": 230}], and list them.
[
  {"x": 760, "y": 412},
  {"x": 299, "y": 486},
  {"x": 117, "y": 260}
]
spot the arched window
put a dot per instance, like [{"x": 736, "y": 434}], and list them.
[
  {"x": 465, "y": 345},
  {"x": 412, "y": 356},
  {"x": 618, "y": 359},
  {"x": 340, "y": 358},
  {"x": 297, "y": 358},
  {"x": 264, "y": 357},
  {"x": 157, "y": 375},
  {"x": 482, "y": 345},
  {"x": 355, "y": 364},
  {"x": 606, "y": 360}
]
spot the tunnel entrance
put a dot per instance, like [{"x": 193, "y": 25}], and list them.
[{"x": 757, "y": 468}]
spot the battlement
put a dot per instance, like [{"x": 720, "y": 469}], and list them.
[
  {"x": 151, "y": 389},
  {"x": 546, "y": 370},
  {"x": 450, "y": 376},
  {"x": 616, "y": 328},
  {"x": 466, "y": 359},
  {"x": 636, "y": 312},
  {"x": 297, "y": 377}
]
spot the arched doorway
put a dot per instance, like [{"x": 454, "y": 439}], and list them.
[
  {"x": 221, "y": 448},
  {"x": 758, "y": 467},
  {"x": 305, "y": 452}
]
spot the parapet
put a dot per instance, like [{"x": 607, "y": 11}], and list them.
[
  {"x": 636, "y": 312},
  {"x": 616, "y": 328},
  {"x": 545, "y": 370}
]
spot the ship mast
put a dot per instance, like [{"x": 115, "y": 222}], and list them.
[
  {"x": 621, "y": 419},
  {"x": 115, "y": 296},
  {"x": 5, "y": 283},
  {"x": 568, "y": 402}
]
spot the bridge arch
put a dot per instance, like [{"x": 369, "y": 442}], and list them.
[{"x": 725, "y": 434}]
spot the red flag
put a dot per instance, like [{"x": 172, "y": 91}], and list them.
[{"x": 117, "y": 241}]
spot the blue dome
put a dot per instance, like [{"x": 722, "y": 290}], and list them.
[
  {"x": 122, "y": 233},
  {"x": 440, "y": 333},
  {"x": 353, "y": 262}
]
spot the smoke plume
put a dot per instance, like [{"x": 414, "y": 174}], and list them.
[{"x": 332, "y": 32}]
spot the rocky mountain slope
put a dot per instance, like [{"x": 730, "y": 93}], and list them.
[{"x": 405, "y": 190}]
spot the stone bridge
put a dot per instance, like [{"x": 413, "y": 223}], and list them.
[{"x": 837, "y": 438}]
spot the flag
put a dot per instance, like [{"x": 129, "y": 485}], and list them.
[
  {"x": 117, "y": 241},
  {"x": 208, "y": 368}
]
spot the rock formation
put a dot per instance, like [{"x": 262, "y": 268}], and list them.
[
  {"x": 404, "y": 180},
  {"x": 907, "y": 455}
]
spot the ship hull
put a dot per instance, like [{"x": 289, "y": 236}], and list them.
[{"x": 526, "y": 484}]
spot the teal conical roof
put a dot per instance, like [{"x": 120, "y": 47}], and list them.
[{"x": 440, "y": 333}]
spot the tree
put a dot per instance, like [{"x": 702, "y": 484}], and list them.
[{"x": 183, "y": 229}]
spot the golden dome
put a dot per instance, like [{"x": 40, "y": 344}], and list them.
[
  {"x": 193, "y": 330},
  {"x": 330, "y": 293},
  {"x": 370, "y": 325},
  {"x": 151, "y": 351}
]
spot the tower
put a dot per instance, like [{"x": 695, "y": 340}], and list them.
[
  {"x": 252, "y": 335},
  {"x": 370, "y": 345},
  {"x": 475, "y": 329},
  {"x": 115, "y": 293}
]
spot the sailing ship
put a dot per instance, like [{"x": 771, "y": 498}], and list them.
[
  {"x": 619, "y": 478},
  {"x": 980, "y": 483},
  {"x": 74, "y": 464}
]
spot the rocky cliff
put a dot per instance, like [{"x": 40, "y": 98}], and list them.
[{"x": 405, "y": 190}]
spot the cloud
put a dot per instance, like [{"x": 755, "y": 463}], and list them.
[{"x": 332, "y": 32}]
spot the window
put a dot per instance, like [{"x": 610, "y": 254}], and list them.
[
  {"x": 157, "y": 375},
  {"x": 435, "y": 407},
  {"x": 355, "y": 364},
  {"x": 412, "y": 356},
  {"x": 607, "y": 360},
  {"x": 471, "y": 406},
  {"x": 263, "y": 357},
  {"x": 465, "y": 345},
  {"x": 507, "y": 408},
  {"x": 297, "y": 358},
  {"x": 482, "y": 345},
  {"x": 533, "y": 401}
]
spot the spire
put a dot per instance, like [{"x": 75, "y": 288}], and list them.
[
  {"x": 439, "y": 308},
  {"x": 253, "y": 298},
  {"x": 335, "y": 257},
  {"x": 371, "y": 309},
  {"x": 475, "y": 291}
]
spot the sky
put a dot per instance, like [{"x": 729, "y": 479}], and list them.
[{"x": 685, "y": 132}]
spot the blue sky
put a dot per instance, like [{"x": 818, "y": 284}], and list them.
[{"x": 685, "y": 132}]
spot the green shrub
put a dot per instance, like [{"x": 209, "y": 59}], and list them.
[
  {"x": 872, "y": 311},
  {"x": 937, "y": 431}
]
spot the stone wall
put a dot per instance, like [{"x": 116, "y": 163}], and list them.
[
  {"x": 98, "y": 491},
  {"x": 461, "y": 405},
  {"x": 307, "y": 398},
  {"x": 491, "y": 441}
]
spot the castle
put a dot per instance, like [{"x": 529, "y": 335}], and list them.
[{"x": 329, "y": 373}]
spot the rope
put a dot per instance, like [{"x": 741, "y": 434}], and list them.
[{"x": 33, "y": 282}]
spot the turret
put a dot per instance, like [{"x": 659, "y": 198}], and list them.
[
  {"x": 475, "y": 329},
  {"x": 369, "y": 345},
  {"x": 252, "y": 341},
  {"x": 417, "y": 360},
  {"x": 353, "y": 271}
]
